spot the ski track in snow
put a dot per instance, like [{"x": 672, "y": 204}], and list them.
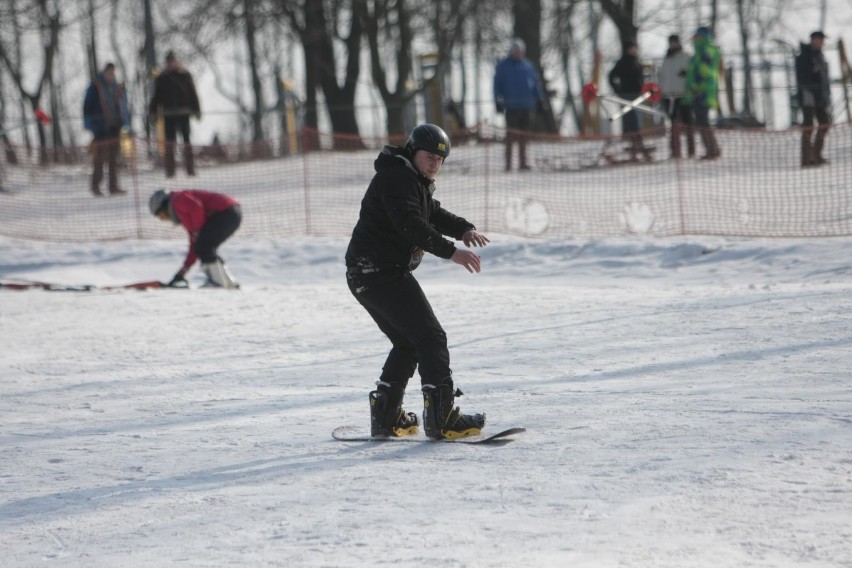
[{"x": 687, "y": 404}]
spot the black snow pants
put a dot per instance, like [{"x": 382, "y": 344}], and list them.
[
  {"x": 397, "y": 304},
  {"x": 216, "y": 230}
]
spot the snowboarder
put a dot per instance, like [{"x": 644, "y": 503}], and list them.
[
  {"x": 209, "y": 218},
  {"x": 399, "y": 222}
]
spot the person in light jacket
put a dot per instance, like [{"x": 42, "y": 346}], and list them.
[{"x": 673, "y": 87}]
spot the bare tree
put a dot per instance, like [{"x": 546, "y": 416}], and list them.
[
  {"x": 204, "y": 24},
  {"x": 565, "y": 41},
  {"x": 47, "y": 22},
  {"x": 319, "y": 25},
  {"x": 744, "y": 39},
  {"x": 389, "y": 22},
  {"x": 250, "y": 28},
  {"x": 623, "y": 15},
  {"x": 391, "y": 27}
]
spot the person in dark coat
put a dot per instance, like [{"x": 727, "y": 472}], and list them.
[
  {"x": 626, "y": 79},
  {"x": 400, "y": 221},
  {"x": 175, "y": 96},
  {"x": 814, "y": 96},
  {"x": 105, "y": 113}
]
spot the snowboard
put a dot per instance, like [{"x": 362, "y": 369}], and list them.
[{"x": 357, "y": 434}]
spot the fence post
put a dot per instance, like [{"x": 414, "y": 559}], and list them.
[
  {"x": 486, "y": 182},
  {"x": 134, "y": 173},
  {"x": 305, "y": 150}
]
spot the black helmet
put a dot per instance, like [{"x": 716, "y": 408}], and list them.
[
  {"x": 430, "y": 138},
  {"x": 158, "y": 201}
]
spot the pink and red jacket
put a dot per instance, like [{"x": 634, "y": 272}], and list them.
[{"x": 193, "y": 207}]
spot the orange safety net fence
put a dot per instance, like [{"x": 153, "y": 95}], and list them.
[{"x": 576, "y": 187}]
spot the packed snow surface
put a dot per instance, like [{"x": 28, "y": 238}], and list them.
[{"x": 687, "y": 403}]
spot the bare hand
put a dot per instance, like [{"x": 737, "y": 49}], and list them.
[
  {"x": 467, "y": 259},
  {"x": 475, "y": 238}
]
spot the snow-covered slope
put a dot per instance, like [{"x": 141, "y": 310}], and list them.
[{"x": 687, "y": 403}]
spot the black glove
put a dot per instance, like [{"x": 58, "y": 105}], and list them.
[
  {"x": 499, "y": 106},
  {"x": 178, "y": 281}
]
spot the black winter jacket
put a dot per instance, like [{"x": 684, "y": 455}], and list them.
[
  {"x": 812, "y": 77},
  {"x": 627, "y": 78},
  {"x": 400, "y": 220},
  {"x": 175, "y": 91}
]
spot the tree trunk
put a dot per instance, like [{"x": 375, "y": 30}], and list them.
[
  {"x": 714, "y": 15},
  {"x": 395, "y": 100},
  {"x": 92, "y": 46},
  {"x": 257, "y": 87},
  {"x": 340, "y": 101},
  {"x": 311, "y": 140},
  {"x": 746, "y": 57},
  {"x": 16, "y": 25},
  {"x": 623, "y": 15},
  {"x": 527, "y": 15}
]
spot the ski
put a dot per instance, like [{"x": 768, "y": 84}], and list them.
[
  {"x": 22, "y": 284},
  {"x": 357, "y": 434}
]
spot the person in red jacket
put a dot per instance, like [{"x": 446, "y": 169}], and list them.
[{"x": 209, "y": 218}]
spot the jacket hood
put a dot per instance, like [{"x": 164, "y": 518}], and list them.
[
  {"x": 702, "y": 42},
  {"x": 396, "y": 156}
]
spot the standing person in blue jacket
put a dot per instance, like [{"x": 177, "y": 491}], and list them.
[
  {"x": 105, "y": 113},
  {"x": 518, "y": 93}
]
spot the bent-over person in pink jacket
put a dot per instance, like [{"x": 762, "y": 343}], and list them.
[{"x": 209, "y": 218}]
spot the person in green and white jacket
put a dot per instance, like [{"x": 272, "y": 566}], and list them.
[{"x": 702, "y": 87}]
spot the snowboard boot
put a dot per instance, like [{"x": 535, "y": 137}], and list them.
[
  {"x": 218, "y": 275},
  {"x": 442, "y": 419},
  {"x": 387, "y": 418}
]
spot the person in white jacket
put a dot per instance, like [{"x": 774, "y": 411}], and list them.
[{"x": 673, "y": 86}]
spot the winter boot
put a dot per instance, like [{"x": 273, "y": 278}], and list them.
[
  {"x": 522, "y": 154},
  {"x": 442, "y": 419},
  {"x": 690, "y": 141},
  {"x": 218, "y": 275},
  {"x": 387, "y": 418},
  {"x": 188, "y": 159},
  {"x": 169, "y": 159},
  {"x": 819, "y": 142},
  {"x": 807, "y": 153}
]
